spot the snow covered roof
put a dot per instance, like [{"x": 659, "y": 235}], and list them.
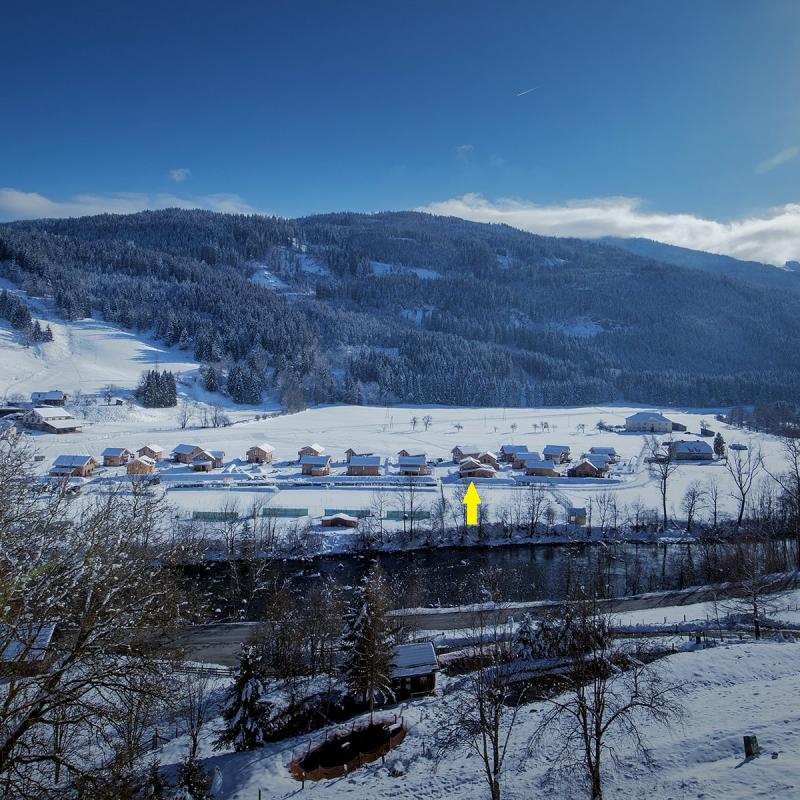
[
  {"x": 156, "y": 448},
  {"x": 556, "y": 448},
  {"x": 264, "y": 447},
  {"x": 28, "y": 643},
  {"x": 218, "y": 454},
  {"x": 318, "y": 448},
  {"x": 52, "y": 412},
  {"x": 365, "y": 461},
  {"x": 646, "y": 416},
  {"x": 115, "y": 451},
  {"x": 411, "y": 461},
  {"x": 469, "y": 461},
  {"x": 315, "y": 460},
  {"x": 692, "y": 448},
  {"x": 185, "y": 449},
  {"x": 72, "y": 460},
  {"x": 418, "y": 658},
  {"x": 63, "y": 424},
  {"x": 467, "y": 448},
  {"x": 340, "y": 515},
  {"x": 599, "y": 461},
  {"x": 608, "y": 451},
  {"x": 539, "y": 464},
  {"x": 488, "y": 453},
  {"x": 531, "y": 456},
  {"x": 145, "y": 460},
  {"x": 514, "y": 448},
  {"x": 53, "y": 394}
]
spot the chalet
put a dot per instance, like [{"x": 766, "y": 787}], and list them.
[
  {"x": 141, "y": 465},
  {"x": 406, "y": 454},
  {"x": 339, "y": 520},
  {"x": 601, "y": 461},
  {"x": 576, "y": 515},
  {"x": 186, "y": 453},
  {"x": 350, "y": 452},
  {"x": 414, "y": 669},
  {"x": 116, "y": 456},
  {"x": 557, "y": 453},
  {"x": 610, "y": 452},
  {"x": 310, "y": 450},
  {"x": 587, "y": 469},
  {"x": 154, "y": 451},
  {"x": 51, "y": 420},
  {"x": 315, "y": 465},
  {"x": 522, "y": 457},
  {"x": 470, "y": 467},
  {"x": 508, "y": 452},
  {"x": 690, "y": 451},
  {"x": 364, "y": 465},
  {"x": 260, "y": 453},
  {"x": 541, "y": 468},
  {"x": 490, "y": 459},
  {"x": 206, "y": 460},
  {"x": 69, "y": 466},
  {"x": 460, "y": 452},
  {"x": 648, "y": 422},
  {"x": 54, "y": 397},
  {"x": 412, "y": 465}
]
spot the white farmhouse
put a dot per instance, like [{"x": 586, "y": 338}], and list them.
[{"x": 648, "y": 422}]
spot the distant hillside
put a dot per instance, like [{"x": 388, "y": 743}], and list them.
[
  {"x": 750, "y": 271},
  {"x": 409, "y": 307}
]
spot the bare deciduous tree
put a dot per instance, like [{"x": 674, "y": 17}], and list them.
[
  {"x": 743, "y": 466},
  {"x": 662, "y": 467}
]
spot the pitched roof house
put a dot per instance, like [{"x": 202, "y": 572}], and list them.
[
  {"x": 472, "y": 468},
  {"x": 587, "y": 469},
  {"x": 350, "y": 452},
  {"x": 186, "y": 453},
  {"x": 558, "y": 453},
  {"x": 310, "y": 450},
  {"x": 648, "y": 422},
  {"x": 55, "y": 397},
  {"x": 260, "y": 453},
  {"x": 412, "y": 465},
  {"x": 141, "y": 465},
  {"x": 536, "y": 466},
  {"x": 462, "y": 451},
  {"x": 364, "y": 465},
  {"x": 315, "y": 465},
  {"x": 414, "y": 669},
  {"x": 690, "y": 451},
  {"x": 508, "y": 452},
  {"x": 77, "y": 466},
  {"x": 612, "y": 454},
  {"x": 154, "y": 451},
  {"x": 521, "y": 458},
  {"x": 339, "y": 520},
  {"x": 116, "y": 456},
  {"x": 51, "y": 420}
]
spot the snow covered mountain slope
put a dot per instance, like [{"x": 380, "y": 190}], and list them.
[{"x": 85, "y": 354}]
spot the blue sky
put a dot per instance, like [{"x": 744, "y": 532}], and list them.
[{"x": 679, "y": 120}]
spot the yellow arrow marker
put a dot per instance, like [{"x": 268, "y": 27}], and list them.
[{"x": 472, "y": 500}]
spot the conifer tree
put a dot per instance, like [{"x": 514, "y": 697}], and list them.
[
  {"x": 368, "y": 643},
  {"x": 720, "y": 447},
  {"x": 195, "y": 782},
  {"x": 246, "y": 710}
]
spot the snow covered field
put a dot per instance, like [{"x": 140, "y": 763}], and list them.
[
  {"x": 729, "y": 691},
  {"x": 88, "y": 355}
]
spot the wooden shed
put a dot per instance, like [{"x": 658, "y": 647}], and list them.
[
  {"x": 72, "y": 466},
  {"x": 414, "y": 669},
  {"x": 315, "y": 465},
  {"x": 154, "y": 451},
  {"x": 364, "y": 465},
  {"x": 142, "y": 465}
]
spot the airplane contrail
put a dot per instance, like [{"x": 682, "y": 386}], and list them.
[{"x": 527, "y": 91}]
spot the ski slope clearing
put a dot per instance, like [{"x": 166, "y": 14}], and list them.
[
  {"x": 84, "y": 355},
  {"x": 729, "y": 691}
]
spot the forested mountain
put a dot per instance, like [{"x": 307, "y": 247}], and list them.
[
  {"x": 750, "y": 271},
  {"x": 409, "y": 307}
]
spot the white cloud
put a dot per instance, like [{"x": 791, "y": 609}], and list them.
[
  {"x": 464, "y": 151},
  {"x": 772, "y": 236},
  {"x": 16, "y": 204},
  {"x": 779, "y": 159},
  {"x": 180, "y": 174}
]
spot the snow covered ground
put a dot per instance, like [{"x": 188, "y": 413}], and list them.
[
  {"x": 88, "y": 355},
  {"x": 728, "y": 691}
]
